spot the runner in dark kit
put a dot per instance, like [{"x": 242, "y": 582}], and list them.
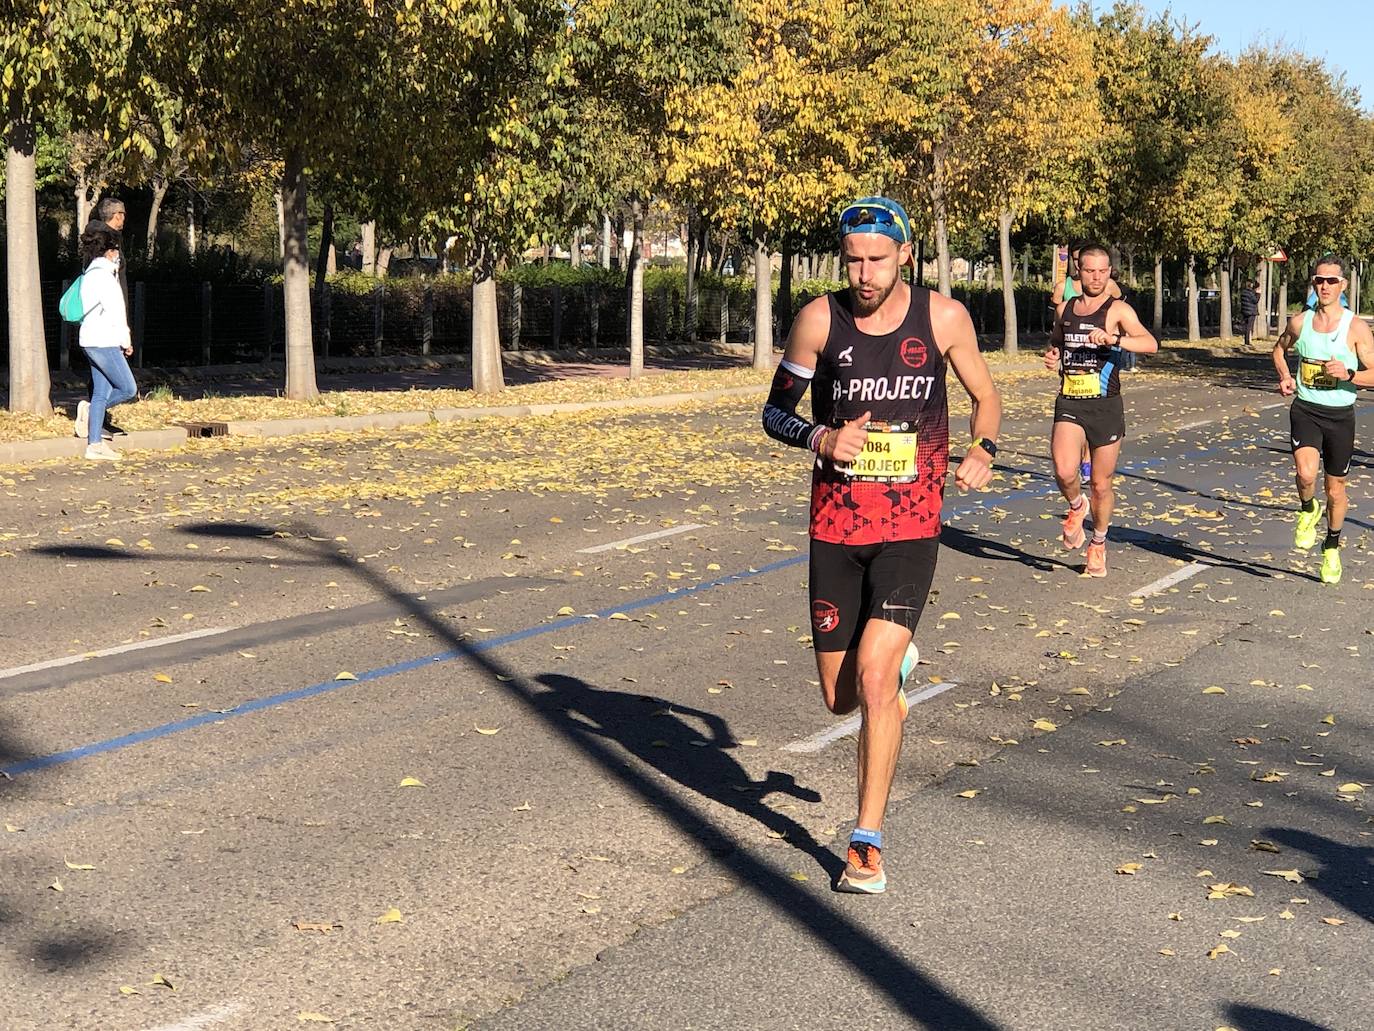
[
  {"x": 1090, "y": 334},
  {"x": 877, "y": 354}
]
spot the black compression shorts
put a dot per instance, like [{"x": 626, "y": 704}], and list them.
[
  {"x": 1330, "y": 430},
  {"x": 1103, "y": 418},
  {"x": 853, "y": 583}
]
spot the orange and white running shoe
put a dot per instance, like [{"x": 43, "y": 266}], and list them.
[
  {"x": 863, "y": 873},
  {"x": 1097, "y": 560},
  {"x": 1073, "y": 535}
]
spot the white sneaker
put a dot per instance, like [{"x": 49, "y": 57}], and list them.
[
  {"x": 102, "y": 452},
  {"x": 83, "y": 420}
]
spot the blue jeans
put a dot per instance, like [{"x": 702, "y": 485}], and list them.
[{"x": 114, "y": 384}]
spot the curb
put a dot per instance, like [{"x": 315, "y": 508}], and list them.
[
  {"x": 330, "y": 424},
  {"x": 25, "y": 451}
]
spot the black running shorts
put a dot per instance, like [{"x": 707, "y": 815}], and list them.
[
  {"x": 1330, "y": 430},
  {"x": 1103, "y": 418},
  {"x": 853, "y": 583}
]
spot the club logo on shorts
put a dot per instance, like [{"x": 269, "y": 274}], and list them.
[
  {"x": 913, "y": 351},
  {"x": 785, "y": 381},
  {"x": 825, "y": 617}
]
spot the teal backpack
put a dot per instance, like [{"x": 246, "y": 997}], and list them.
[{"x": 70, "y": 306}]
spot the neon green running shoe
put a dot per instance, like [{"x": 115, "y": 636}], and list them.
[
  {"x": 1331, "y": 565},
  {"x": 1306, "y": 533}
]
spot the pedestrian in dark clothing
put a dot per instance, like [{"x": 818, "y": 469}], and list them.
[{"x": 1249, "y": 308}]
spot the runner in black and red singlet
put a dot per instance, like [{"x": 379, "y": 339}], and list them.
[
  {"x": 1091, "y": 333},
  {"x": 875, "y": 356}
]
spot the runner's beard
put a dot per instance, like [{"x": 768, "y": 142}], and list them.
[{"x": 864, "y": 308}]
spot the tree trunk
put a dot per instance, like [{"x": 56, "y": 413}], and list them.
[
  {"x": 383, "y": 261},
  {"x": 1194, "y": 325},
  {"x": 29, "y": 382},
  {"x": 300, "y": 344},
  {"x": 1283, "y": 298},
  {"x": 326, "y": 255},
  {"x": 1225, "y": 296},
  {"x": 783, "y": 307},
  {"x": 1355, "y": 287},
  {"x": 575, "y": 253},
  {"x": 763, "y": 308},
  {"x": 689, "y": 303},
  {"x": 85, "y": 202},
  {"x": 487, "y": 376},
  {"x": 191, "y": 223},
  {"x": 918, "y": 272},
  {"x": 1009, "y": 340},
  {"x": 369, "y": 248},
  {"x": 938, "y": 208},
  {"x": 160, "y": 187},
  {"x": 1157, "y": 323},
  {"x": 634, "y": 292},
  {"x": 281, "y": 225}
]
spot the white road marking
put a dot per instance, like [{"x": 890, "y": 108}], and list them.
[
  {"x": 669, "y": 532},
  {"x": 1165, "y": 582},
  {"x": 71, "y": 660},
  {"x": 825, "y": 738},
  {"x": 205, "y": 1018},
  {"x": 1222, "y": 418}
]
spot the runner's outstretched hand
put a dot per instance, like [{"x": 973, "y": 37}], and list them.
[
  {"x": 845, "y": 443},
  {"x": 1287, "y": 386},
  {"x": 1052, "y": 359}
]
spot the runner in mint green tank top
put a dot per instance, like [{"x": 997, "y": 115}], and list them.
[{"x": 1335, "y": 356}]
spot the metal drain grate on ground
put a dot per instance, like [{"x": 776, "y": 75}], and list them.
[{"x": 205, "y": 429}]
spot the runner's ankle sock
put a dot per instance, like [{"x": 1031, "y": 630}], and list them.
[
  {"x": 1078, "y": 502},
  {"x": 1099, "y": 538},
  {"x": 1310, "y": 505},
  {"x": 1333, "y": 539},
  {"x": 866, "y": 837}
]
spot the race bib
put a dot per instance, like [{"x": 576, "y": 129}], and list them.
[
  {"x": 1082, "y": 384},
  {"x": 1313, "y": 375},
  {"x": 886, "y": 456}
]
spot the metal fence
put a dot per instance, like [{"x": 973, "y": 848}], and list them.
[{"x": 188, "y": 324}]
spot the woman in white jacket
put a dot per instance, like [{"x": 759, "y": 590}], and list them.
[{"x": 104, "y": 338}]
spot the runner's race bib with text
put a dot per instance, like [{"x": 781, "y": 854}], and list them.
[{"x": 888, "y": 456}]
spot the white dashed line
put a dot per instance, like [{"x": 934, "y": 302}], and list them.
[
  {"x": 205, "y": 1018},
  {"x": 71, "y": 660},
  {"x": 1165, "y": 582},
  {"x": 671, "y": 531},
  {"x": 820, "y": 741}
]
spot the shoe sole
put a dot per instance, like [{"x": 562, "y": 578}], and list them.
[
  {"x": 1064, "y": 537},
  {"x": 847, "y": 887}
]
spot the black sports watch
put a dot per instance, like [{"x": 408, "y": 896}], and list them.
[{"x": 990, "y": 446}]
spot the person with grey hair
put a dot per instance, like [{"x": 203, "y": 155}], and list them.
[{"x": 1335, "y": 356}]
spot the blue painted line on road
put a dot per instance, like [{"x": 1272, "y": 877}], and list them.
[
  {"x": 286, "y": 697},
  {"x": 300, "y": 694}
]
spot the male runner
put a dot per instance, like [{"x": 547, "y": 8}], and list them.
[
  {"x": 876, "y": 354},
  {"x": 1332, "y": 345},
  {"x": 1090, "y": 334}
]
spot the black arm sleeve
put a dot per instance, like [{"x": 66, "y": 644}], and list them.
[{"x": 780, "y": 418}]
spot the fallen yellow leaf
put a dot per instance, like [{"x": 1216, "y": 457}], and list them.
[
  {"x": 345, "y": 675},
  {"x": 162, "y": 678},
  {"x": 489, "y": 731},
  {"x": 412, "y": 782},
  {"x": 391, "y": 916}
]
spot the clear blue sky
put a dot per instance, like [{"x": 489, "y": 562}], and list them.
[{"x": 1342, "y": 33}]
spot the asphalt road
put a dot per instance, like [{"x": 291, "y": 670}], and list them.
[{"x": 224, "y": 668}]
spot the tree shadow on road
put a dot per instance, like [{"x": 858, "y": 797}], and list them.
[
  {"x": 1345, "y": 873},
  {"x": 660, "y": 735},
  {"x": 988, "y": 550},
  {"x": 1175, "y": 548},
  {"x": 557, "y": 702},
  {"x": 1253, "y": 1018}
]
